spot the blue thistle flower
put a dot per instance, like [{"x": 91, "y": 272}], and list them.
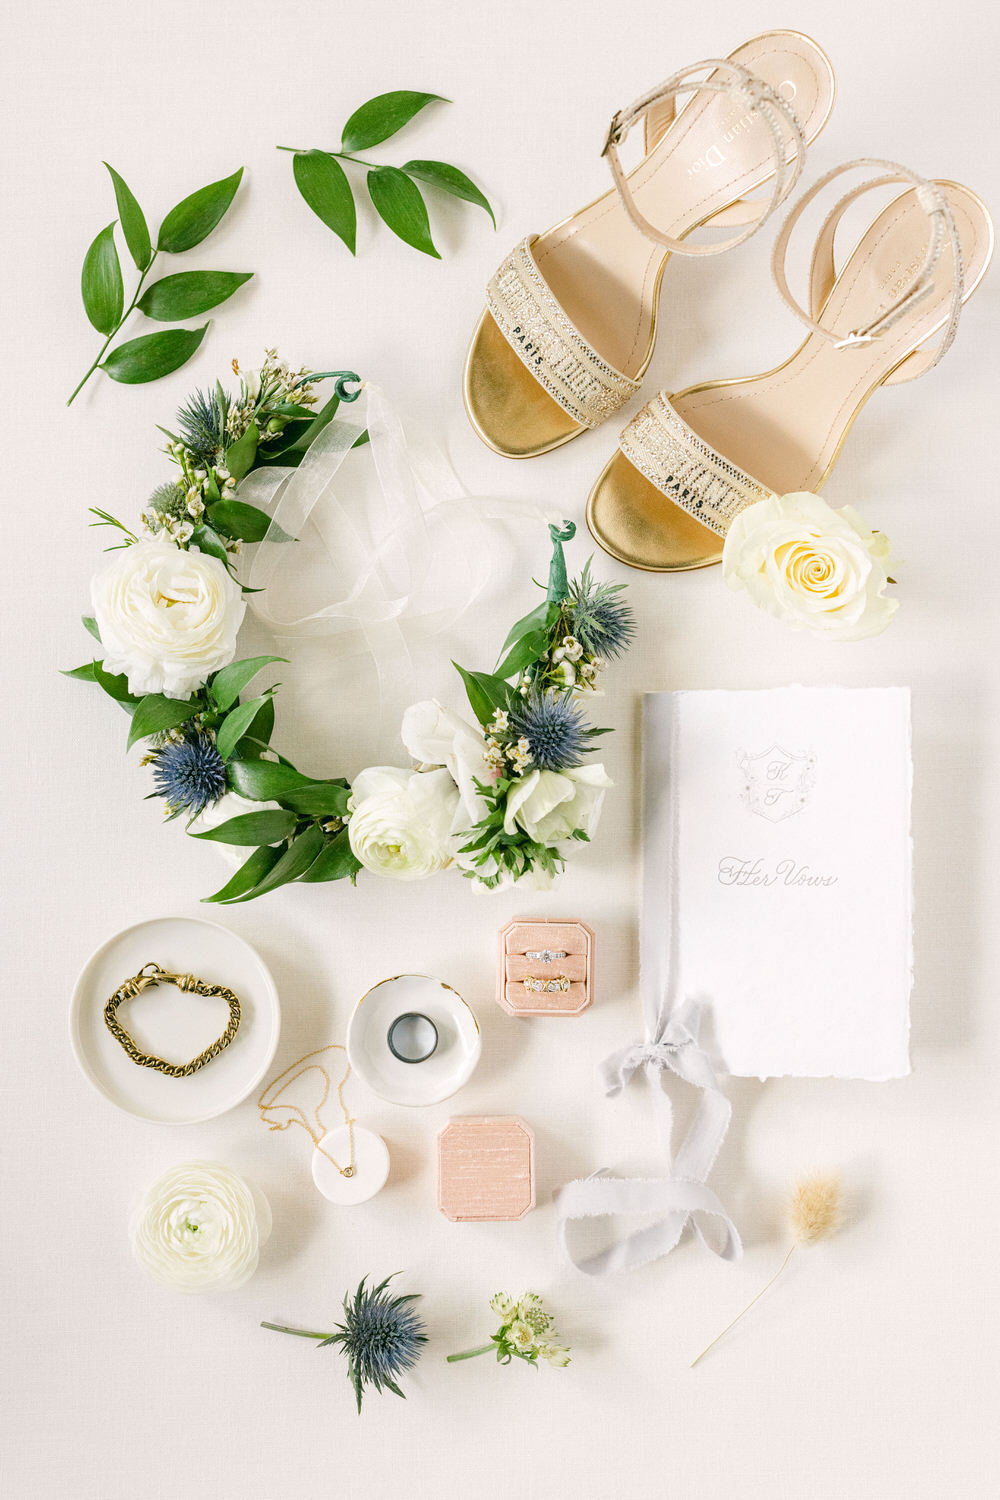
[
  {"x": 381, "y": 1337},
  {"x": 169, "y": 500},
  {"x": 189, "y": 773},
  {"x": 555, "y": 729},
  {"x": 202, "y": 423},
  {"x": 602, "y": 622}
]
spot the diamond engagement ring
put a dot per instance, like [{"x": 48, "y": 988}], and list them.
[
  {"x": 546, "y": 955},
  {"x": 546, "y": 986}
]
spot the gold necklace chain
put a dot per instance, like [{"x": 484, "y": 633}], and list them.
[{"x": 296, "y": 1069}]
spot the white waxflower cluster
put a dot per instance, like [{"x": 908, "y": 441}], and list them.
[
  {"x": 571, "y": 667},
  {"x": 272, "y": 385},
  {"x": 515, "y": 755}
]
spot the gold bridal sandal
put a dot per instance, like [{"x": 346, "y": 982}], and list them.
[
  {"x": 688, "y": 463},
  {"x": 571, "y": 314}
]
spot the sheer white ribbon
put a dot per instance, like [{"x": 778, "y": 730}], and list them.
[
  {"x": 672, "y": 1046},
  {"x": 400, "y": 559}
]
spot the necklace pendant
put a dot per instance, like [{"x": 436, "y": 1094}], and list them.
[{"x": 366, "y": 1170}]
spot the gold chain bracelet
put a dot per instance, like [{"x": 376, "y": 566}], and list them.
[{"x": 152, "y": 974}]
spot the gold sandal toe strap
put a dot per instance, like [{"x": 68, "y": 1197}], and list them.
[
  {"x": 686, "y": 469},
  {"x": 546, "y": 341}
]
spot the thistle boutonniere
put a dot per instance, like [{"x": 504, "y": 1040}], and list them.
[
  {"x": 381, "y": 1337},
  {"x": 525, "y": 1332}
]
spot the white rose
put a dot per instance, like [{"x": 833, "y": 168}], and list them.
[
  {"x": 551, "y": 805},
  {"x": 200, "y": 1227},
  {"x": 401, "y": 821},
  {"x": 812, "y": 567},
  {"x": 435, "y": 736},
  {"x": 167, "y": 618},
  {"x": 232, "y": 805}
]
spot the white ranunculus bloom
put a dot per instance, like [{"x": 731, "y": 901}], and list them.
[
  {"x": 167, "y": 618},
  {"x": 200, "y": 1227},
  {"x": 232, "y": 805},
  {"x": 401, "y": 821},
  {"x": 435, "y": 736},
  {"x": 813, "y": 567},
  {"x": 551, "y": 805}
]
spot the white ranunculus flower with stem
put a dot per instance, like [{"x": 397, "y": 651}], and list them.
[
  {"x": 200, "y": 1227},
  {"x": 812, "y": 567},
  {"x": 401, "y": 821},
  {"x": 168, "y": 618}
]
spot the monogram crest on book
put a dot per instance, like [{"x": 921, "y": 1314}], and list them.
[{"x": 777, "y": 782}]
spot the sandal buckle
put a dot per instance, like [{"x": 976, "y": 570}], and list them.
[{"x": 615, "y": 133}]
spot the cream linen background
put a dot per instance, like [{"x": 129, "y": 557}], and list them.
[{"x": 871, "y": 1373}]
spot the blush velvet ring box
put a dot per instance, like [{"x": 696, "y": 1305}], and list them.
[{"x": 545, "y": 968}]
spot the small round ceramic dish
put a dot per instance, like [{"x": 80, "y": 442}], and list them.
[
  {"x": 169, "y": 1023},
  {"x": 441, "y": 1074}
]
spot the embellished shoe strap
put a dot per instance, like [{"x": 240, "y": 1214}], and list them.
[
  {"x": 942, "y": 229},
  {"x": 788, "y": 145},
  {"x": 672, "y": 456},
  {"x": 559, "y": 357}
]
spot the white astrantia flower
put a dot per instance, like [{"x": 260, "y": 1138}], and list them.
[
  {"x": 232, "y": 805},
  {"x": 503, "y": 1305},
  {"x": 200, "y": 1228},
  {"x": 551, "y": 805},
  {"x": 521, "y": 1336},
  {"x": 168, "y": 618},
  {"x": 401, "y": 821},
  {"x": 554, "y": 1354},
  {"x": 812, "y": 567}
]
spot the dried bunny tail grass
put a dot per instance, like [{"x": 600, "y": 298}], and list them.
[
  {"x": 814, "y": 1213},
  {"x": 814, "y": 1210}
]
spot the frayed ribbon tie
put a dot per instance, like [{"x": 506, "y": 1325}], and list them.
[{"x": 684, "y": 1194}]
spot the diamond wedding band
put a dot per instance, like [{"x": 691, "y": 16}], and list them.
[
  {"x": 546, "y": 986},
  {"x": 546, "y": 955}
]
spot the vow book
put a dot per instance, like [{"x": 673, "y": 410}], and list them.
[{"x": 777, "y": 875}]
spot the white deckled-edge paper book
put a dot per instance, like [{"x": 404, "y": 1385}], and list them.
[{"x": 777, "y": 874}]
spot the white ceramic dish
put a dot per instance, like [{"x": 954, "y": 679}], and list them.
[
  {"x": 445, "y": 1071},
  {"x": 176, "y": 1026}
]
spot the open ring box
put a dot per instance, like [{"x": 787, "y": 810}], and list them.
[{"x": 569, "y": 956}]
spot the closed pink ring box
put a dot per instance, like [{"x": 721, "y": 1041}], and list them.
[{"x": 486, "y": 1168}]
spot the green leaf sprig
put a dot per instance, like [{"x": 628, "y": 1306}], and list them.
[
  {"x": 186, "y": 294},
  {"x": 398, "y": 201}
]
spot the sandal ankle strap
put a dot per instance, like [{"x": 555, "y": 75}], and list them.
[
  {"x": 725, "y": 77},
  {"x": 942, "y": 228}
]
